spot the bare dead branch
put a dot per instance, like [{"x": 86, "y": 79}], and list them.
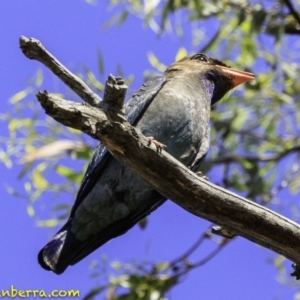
[{"x": 33, "y": 49}]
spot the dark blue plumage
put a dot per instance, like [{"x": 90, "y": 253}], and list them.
[{"x": 174, "y": 109}]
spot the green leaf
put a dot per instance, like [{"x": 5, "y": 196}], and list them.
[
  {"x": 294, "y": 186},
  {"x": 278, "y": 262},
  {"x": 162, "y": 266},
  {"x": 47, "y": 223},
  {"x": 248, "y": 52},
  {"x": 18, "y": 97},
  {"x": 100, "y": 62},
  {"x": 39, "y": 78},
  {"x": 93, "y": 80},
  {"x": 247, "y": 164},
  {"x": 112, "y": 21},
  {"x": 30, "y": 210},
  {"x": 149, "y": 6},
  {"x": 15, "y": 124},
  {"x": 27, "y": 187},
  {"x": 24, "y": 171},
  {"x": 116, "y": 265},
  {"x": 61, "y": 207},
  {"x": 38, "y": 179},
  {"x": 258, "y": 18},
  {"x": 241, "y": 117},
  {"x": 4, "y": 158},
  {"x": 122, "y": 18},
  {"x": 82, "y": 153},
  {"x": 181, "y": 53},
  {"x": 71, "y": 174},
  {"x": 155, "y": 62}
]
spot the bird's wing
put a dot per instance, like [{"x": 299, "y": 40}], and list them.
[
  {"x": 116, "y": 229},
  {"x": 201, "y": 154},
  {"x": 208, "y": 88},
  {"x": 134, "y": 110},
  {"x": 140, "y": 101}
]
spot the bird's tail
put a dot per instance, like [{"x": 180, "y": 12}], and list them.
[
  {"x": 57, "y": 254},
  {"x": 65, "y": 249}
]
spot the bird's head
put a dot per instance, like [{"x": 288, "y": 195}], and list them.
[{"x": 220, "y": 77}]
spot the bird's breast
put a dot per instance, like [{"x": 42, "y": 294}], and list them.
[{"x": 178, "y": 117}]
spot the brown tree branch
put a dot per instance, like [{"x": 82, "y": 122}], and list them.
[
  {"x": 167, "y": 175},
  {"x": 33, "y": 49}
]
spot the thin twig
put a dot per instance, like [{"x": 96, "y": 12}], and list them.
[{"x": 194, "y": 247}]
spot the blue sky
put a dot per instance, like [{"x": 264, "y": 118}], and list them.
[{"x": 71, "y": 30}]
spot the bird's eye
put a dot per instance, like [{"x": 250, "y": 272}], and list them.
[{"x": 201, "y": 57}]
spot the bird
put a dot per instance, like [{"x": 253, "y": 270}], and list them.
[{"x": 173, "y": 110}]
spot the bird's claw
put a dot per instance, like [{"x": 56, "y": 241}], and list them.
[
  {"x": 201, "y": 175},
  {"x": 159, "y": 146}
]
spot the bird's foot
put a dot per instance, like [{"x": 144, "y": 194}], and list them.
[
  {"x": 201, "y": 175},
  {"x": 159, "y": 146}
]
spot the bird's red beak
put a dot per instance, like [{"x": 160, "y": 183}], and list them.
[{"x": 238, "y": 77}]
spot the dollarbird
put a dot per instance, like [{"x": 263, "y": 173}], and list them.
[{"x": 174, "y": 109}]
